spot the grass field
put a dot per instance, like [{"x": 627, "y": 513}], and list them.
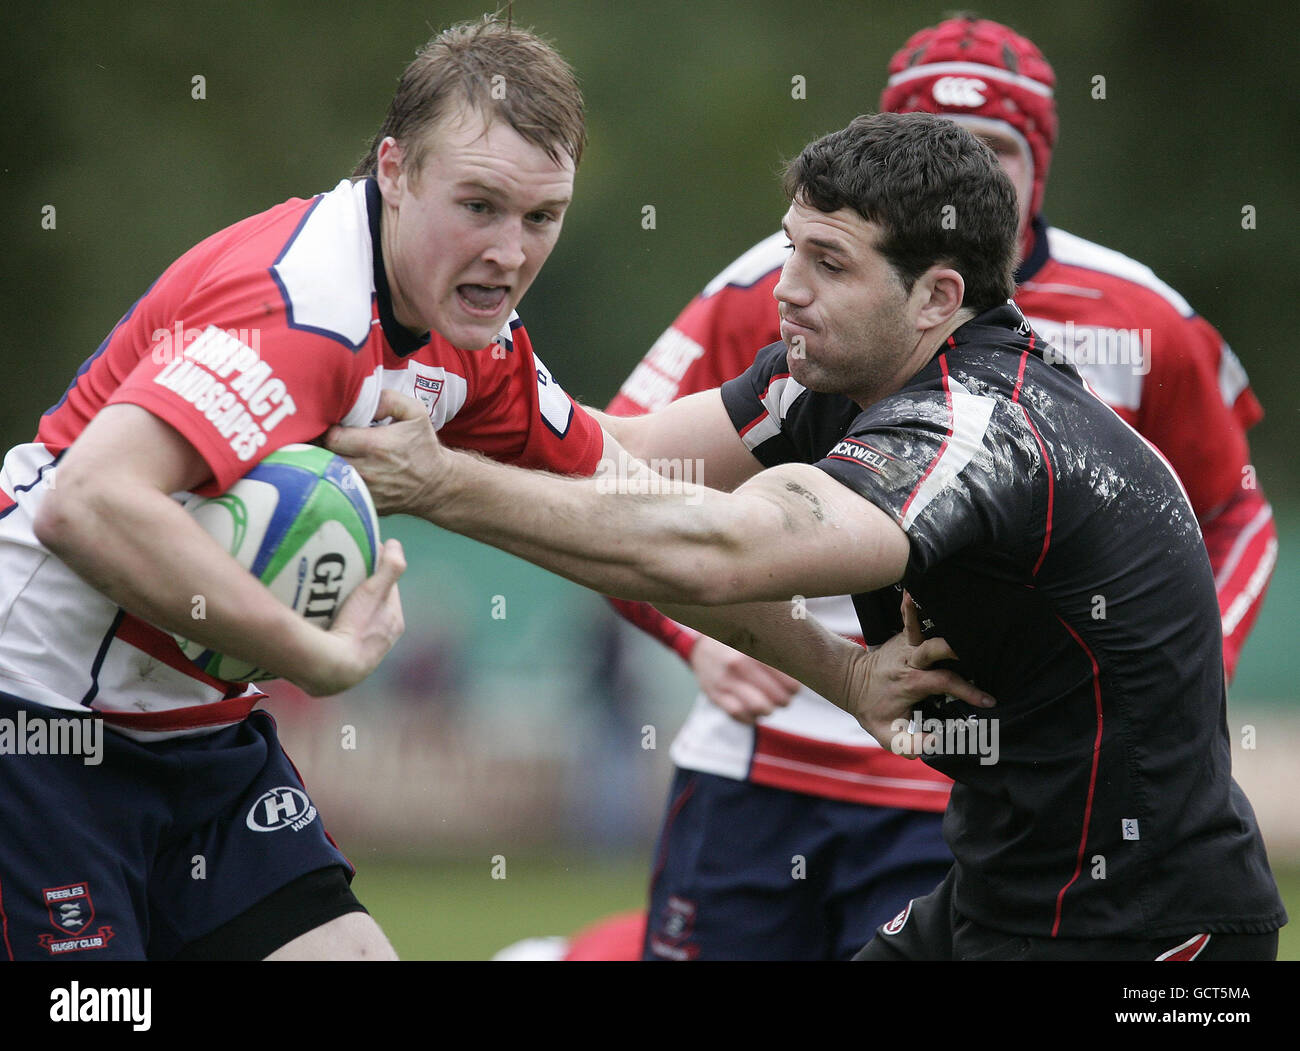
[{"x": 456, "y": 910}]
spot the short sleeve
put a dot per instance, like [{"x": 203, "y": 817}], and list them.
[
  {"x": 954, "y": 469},
  {"x": 778, "y": 418},
  {"x": 239, "y": 393}
]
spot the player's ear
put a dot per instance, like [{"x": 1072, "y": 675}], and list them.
[
  {"x": 389, "y": 169},
  {"x": 937, "y": 296}
]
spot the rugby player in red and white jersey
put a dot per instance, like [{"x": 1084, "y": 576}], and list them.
[
  {"x": 755, "y": 744},
  {"x": 266, "y": 333}
]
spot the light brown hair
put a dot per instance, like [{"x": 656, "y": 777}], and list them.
[{"x": 504, "y": 72}]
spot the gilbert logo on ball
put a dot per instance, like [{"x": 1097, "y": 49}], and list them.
[{"x": 302, "y": 522}]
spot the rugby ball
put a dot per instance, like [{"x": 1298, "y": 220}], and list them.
[{"x": 303, "y": 523}]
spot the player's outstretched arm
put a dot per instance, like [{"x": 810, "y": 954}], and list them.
[
  {"x": 789, "y": 530},
  {"x": 110, "y": 517},
  {"x": 691, "y": 440}
]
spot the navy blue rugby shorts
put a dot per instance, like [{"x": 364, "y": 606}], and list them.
[
  {"x": 749, "y": 872},
  {"x": 158, "y": 847}
]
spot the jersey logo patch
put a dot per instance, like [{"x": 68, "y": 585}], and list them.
[
  {"x": 671, "y": 939},
  {"x": 71, "y": 912},
  {"x": 229, "y": 384},
  {"x": 859, "y": 452},
  {"x": 428, "y": 390},
  {"x": 896, "y": 924}
]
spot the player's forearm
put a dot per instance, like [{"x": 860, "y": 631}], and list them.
[
  {"x": 139, "y": 548},
  {"x": 685, "y": 544},
  {"x": 799, "y": 646}
]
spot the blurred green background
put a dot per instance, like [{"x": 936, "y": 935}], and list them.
[{"x": 522, "y": 735}]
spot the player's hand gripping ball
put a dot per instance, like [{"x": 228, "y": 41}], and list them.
[{"x": 303, "y": 523}]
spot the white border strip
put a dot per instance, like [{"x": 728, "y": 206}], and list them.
[{"x": 976, "y": 69}]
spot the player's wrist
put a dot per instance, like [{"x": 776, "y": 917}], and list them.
[
  {"x": 326, "y": 664},
  {"x": 860, "y": 682},
  {"x": 449, "y": 481},
  {"x": 687, "y": 644}
]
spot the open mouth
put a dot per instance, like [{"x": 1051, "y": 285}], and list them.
[{"x": 485, "y": 300}]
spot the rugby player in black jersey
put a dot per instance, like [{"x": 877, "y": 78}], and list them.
[{"x": 916, "y": 436}]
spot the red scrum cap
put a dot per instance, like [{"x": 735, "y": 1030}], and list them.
[{"x": 979, "y": 71}]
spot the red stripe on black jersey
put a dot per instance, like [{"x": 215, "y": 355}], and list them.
[
  {"x": 1047, "y": 461},
  {"x": 1092, "y": 775},
  {"x": 1051, "y": 490},
  {"x": 752, "y": 424},
  {"x": 1186, "y": 952},
  {"x": 1020, "y": 378},
  {"x": 779, "y": 376}
]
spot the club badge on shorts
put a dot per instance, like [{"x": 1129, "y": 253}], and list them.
[{"x": 72, "y": 911}]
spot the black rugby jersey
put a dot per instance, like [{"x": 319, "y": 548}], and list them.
[{"x": 1056, "y": 552}]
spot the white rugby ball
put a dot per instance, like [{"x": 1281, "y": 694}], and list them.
[{"x": 303, "y": 523}]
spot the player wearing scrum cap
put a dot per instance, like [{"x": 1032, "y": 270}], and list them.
[{"x": 756, "y": 752}]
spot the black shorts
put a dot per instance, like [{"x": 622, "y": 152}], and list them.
[{"x": 931, "y": 928}]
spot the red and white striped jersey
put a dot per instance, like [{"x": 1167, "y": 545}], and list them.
[
  {"x": 264, "y": 334},
  {"x": 1141, "y": 347}
]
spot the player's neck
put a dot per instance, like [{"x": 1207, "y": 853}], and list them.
[
  {"x": 400, "y": 309},
  {"x": 927, "y": 346}
]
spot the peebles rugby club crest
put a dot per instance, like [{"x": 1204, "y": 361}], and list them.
[
  {"x": 71, "y": 913},
  {"x": 672, "y": 938},
  {"x": 428, "y": 389}
]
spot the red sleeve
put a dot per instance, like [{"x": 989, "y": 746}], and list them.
[
  {"x": 1197, "y": 405},
  {"x": 517, "y": 413},
  {"x": 1242, "y": 543},
  {"x": 1196, "y": 413},
  {"x": 230, "y": 375},
  {"x": 677, "y": 637}
]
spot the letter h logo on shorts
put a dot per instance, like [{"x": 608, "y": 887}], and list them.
[{"x": 282, "y": 807}]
